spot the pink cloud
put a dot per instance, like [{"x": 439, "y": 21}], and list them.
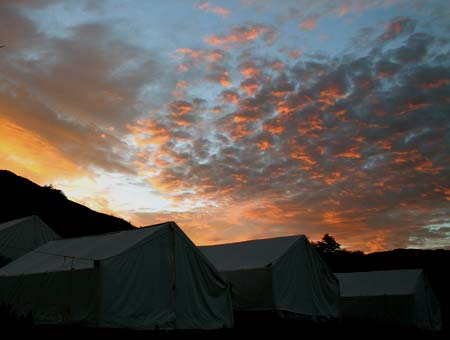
[
  {"x": 207, "y": 7},
  {"x": 344, "y": 9},
  {"x": 241, "y": 35},
  {"x": 310, "y": 23}
]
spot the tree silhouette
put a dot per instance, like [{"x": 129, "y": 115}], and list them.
[
  {"x": 54, "y": 190},
  {"x": 328, "y": 245}
]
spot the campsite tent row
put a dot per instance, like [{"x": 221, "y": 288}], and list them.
[
  {"x": 147, "y": 278},
  {"x": 155, "y": 277}
]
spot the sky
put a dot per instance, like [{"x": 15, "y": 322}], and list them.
[{"x": 237, "y": 119}]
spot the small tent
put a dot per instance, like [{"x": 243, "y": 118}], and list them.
[
  {"x": 147, "y": 278},
  {"x": 283, "y": 274},
  {"x": 20, "y": 236},
  {"x": 402, "y": 297}
]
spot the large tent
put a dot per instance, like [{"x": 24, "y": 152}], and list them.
[
  {"x": 402, "y": 297},
  {"x": 147, "y": 278},
  {"x": 282, "y": 274},
  {"x": 20, "y": 236}
]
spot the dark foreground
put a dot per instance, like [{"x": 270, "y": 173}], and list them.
[{"x": 250, "y": 326}]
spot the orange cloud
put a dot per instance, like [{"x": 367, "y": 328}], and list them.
[
  {"x": 352, "y": 153},
  {"x": 214, "y": 56},
  {"x": 341, "y": 114},
  {"x": 281, "y": 93},
  {"x": 344, "y": 9},
  {"x": 392, "y": 30},
  {"x": 299, "y": 153},
  {"x": 295, "y": 54},
  {"x": 287, "y": 107},
  {"x": 242, "y": 34},
  {"x": 335, "y": 176},
  {"x": 274, "y": 126},
  {"x": 147, "y": 131},
  {"x": 240, "y": 178},
  {"x": 224, "y": 79},
  {"x": 331, "y": 94},
  {"x": 427, "y": 167},
  {"x": 444, "y": 191},
  {"x": 180, "y": 107},
  {"x": 216, "y": 109},
  {"x": 309, "y": 24},
  {"x": 250, "y": 86},
  {"x": 27, "y": 154},
  {"x": 250, "y": 71},
  {"x": 276, "y": 65},
  {"x": 412, "y": 107},
  {"x": 198, "y": 55},
  {"x": 207, "y": 7},
  {"x": 179, "y": 91},
  {"x": 384, "y": 74},
  {"x": 240, "y": 131},
  {"x": 310, "y": 124},
  {"x": 395, "y": 28},
  {"x": 183, "y": 68},
  {"x": 230, "y": 96},
  {"x": 264, "y": 145},
  {"x": 204, "y": 6},
  {"x": 435, "y": 84}
]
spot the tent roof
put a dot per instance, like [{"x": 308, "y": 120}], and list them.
[
  {"x": 248, "y": 254},
  {"x": 79, "y": 253},
  {"x": 374, "y": 283},
  {"x": 12, "y": 223}
]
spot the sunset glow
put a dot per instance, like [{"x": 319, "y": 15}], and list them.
[{"x": 237, "y": 119}]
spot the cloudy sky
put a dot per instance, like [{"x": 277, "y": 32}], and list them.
[{"x": 237, "y": 119}]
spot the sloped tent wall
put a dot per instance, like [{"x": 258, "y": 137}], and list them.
[
  {"x": 20, "y": 236},
  {"x": 402, "y": 297},
  {"x": 161, "y": 281},
  {"x": 284, "y": 274},
  {"x": 303, "y": 283}
]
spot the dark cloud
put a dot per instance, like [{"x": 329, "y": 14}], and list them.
[
  {"x": 78, "y": 90},
  {"x": 414, "y": 50},
  {"x": 17, "y": 31},
  {"x": 89, "y": 76},
  {"x": 397, "y": 27},
  {"x": 26, "y": 3}
]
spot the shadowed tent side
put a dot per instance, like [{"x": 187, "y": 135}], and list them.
[
  {"x": 18, "y": 237},
  {"x": 282, "y": 274},
  {"x": 403, "y": 297}
]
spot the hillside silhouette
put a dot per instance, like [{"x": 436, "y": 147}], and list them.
[{"x": 69, "y": 219}]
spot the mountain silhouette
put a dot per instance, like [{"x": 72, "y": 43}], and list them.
[{"x": 21, "y": 198}]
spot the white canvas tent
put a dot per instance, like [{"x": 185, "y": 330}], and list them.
[
  {"x": 22, "y": 235},
  {"x": 147, "y": 278},
  {"x": 281, "y": 274},
  {"x": 396, "y": 296}
]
